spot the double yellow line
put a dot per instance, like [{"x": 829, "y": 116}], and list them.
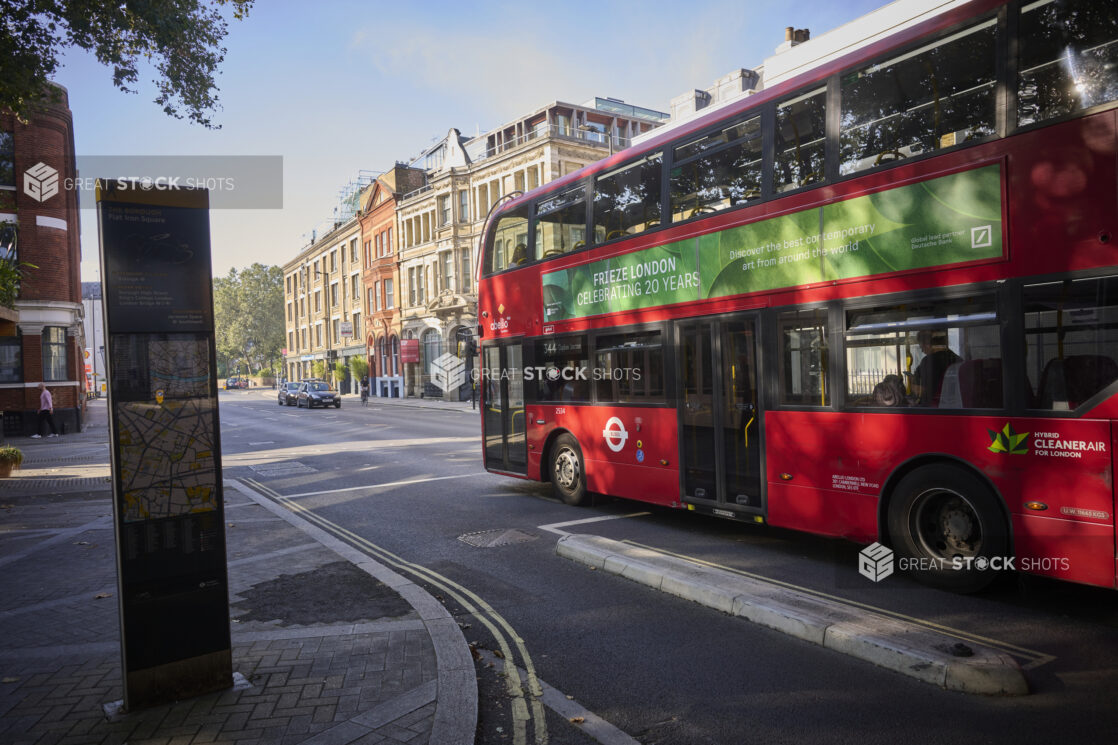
[{"x": 526, "y": 704}]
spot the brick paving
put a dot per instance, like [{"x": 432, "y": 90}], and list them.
[{"x": 345, "y": 675}]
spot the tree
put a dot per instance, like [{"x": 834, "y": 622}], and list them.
[
  {"x": 180, "y": 38},
  {"x": 248, "y": 317},
  {"x": 339, "y": 372},
  {"x": 358, "y": 366}
]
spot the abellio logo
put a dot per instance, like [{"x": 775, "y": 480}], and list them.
[
  {"x": 875, "y": 562},
  {"x": 40, "y": 182}
]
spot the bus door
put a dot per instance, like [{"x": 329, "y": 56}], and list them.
[
  {"x": 720, "y": 446},
  {"x": 506, "y": 444}
]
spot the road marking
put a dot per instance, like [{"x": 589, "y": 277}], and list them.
[
  {"x": 379, "y": 486},
  {"x": 557, "y": 527},
  {"x": 265, "y": 442},
  {"x": 470, "y": 602},
  {"x": 588, "y": 722},
  {"x": 1034, "y": 657}
]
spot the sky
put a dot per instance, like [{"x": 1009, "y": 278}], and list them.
[{"x": 337, "y": 87}]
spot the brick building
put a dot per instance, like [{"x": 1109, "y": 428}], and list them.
[
  {"x": 42, "y": 340},
  {"x": 381, "y": 277}
]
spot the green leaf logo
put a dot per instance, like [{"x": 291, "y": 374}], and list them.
[{"x": 1008, "y": 441}]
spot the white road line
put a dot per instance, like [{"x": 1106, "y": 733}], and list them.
[
  {"x": 577, "y": 714},
  {"x": 382, "y": 486},
  {"x": 556, "y": 527}
]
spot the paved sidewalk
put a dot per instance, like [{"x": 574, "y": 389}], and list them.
[{"x": 331, "y": 653}]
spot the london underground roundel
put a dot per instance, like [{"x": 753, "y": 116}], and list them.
[{"x": 615, "y": 434}]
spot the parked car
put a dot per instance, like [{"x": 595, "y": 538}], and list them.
[
  {"x": 316, "y": 393},
  {"x": 289, "y": 393},
  {"x": 235, "y": 383}
]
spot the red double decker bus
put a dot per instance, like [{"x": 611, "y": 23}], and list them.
[{"x": 877, "y": 301}]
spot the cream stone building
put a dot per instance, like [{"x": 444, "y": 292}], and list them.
[
  {"x": 439, "y": 224},
  {"x": 323, "y": 289}
]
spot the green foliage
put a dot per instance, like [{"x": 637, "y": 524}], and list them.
[
  {"x": 358, "y": 366},
  {"x": 318, "y": 369},
  {"x": 180, "y": 39},
  {"x": 9, "y": 454},
  {"x": 248, "y": 318}
]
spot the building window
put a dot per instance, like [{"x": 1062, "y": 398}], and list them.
[
  {"x": 465, "y": 274},
  {"x": 376, "y": 294},
  {"x": 444, "y": 210},
  {"x": 334, "y": 260},
  {"x": 54, "y": 353},
  {"x": 447, "y": 262},
  {"x": 353, "y": 251},
  {"x": 389, "y": 300},
  {"x": 7, "y": 159},
  {"x": 354, "y": 292},
  {"x": 464, "y": 205},
  {"x": 334, "y": 295},
  {"x": 368, "y": 253},
  {"x": 337, "y": 329},
  {"x": 11, "y": 359},
  {"x": 371, "y": 304},
  {"x": 318, "y": 301},
  {"x": 357, "y": 325},
  {"x": 432, "y": 349}
]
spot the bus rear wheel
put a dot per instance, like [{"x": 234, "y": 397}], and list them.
[
  {"x": 568, "y": 472},
  {"x": 947, "y": 527}
]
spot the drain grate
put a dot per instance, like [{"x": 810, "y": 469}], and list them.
[
  {"x": 288, "y": 468},
  {"x": 497, "y": 537}
]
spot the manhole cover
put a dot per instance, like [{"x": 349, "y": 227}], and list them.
[
  {"x": 282, "y": 469},
  {"x": 497, "y": 537}
]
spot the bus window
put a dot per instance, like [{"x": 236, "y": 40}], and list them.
[
  {"x": 627, "y": 200},
  {"x": 1068, "y": 52},
  {"x": 561, "y": 223},
  {"x": 717, "y": 171},
  {"x": 945, "y": 354},
  {"x": 934, "y": 97},
  {"x": 800, "y": 136},
  {"x": 562, "y": 369},
  {"x": 803, "y": 357},
  {"x": 1071, "y": 340},
  {"x": 508, "y": 246},
  {"x": 629, "y": 368}
]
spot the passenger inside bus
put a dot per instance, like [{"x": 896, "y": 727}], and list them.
[
  {"x": 519, "y": 255},
  {"x": 928, "y": 376}
]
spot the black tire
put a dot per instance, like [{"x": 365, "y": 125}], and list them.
[
  {"x": 279, "y": 402},
  {"x": 337, "y": 404},
  {"x": 567, "y": 470},
  {"x": 298, "y": 403},
  {"x": 947, "y": 523}
]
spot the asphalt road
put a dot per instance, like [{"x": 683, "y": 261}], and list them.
[{"x": 407, "y": 486}]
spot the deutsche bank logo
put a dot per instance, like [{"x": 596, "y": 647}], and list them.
[
  {"x": 875, "y": 562},
  {"x": 448, "y": 372},
  {"x": 40, "y": 182},
  {"x": 982, "y": 236}
]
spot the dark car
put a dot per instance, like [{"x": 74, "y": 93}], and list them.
[
  {"x": 315, "y": 393},
  {"x": 288, "y": 393}
]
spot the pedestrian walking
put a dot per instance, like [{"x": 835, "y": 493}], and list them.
[
  {"x": 365, "y": 390},
  {"x": 46, "y": 412}
]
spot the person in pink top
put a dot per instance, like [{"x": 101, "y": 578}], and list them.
[{"x": 46, "y": 412}]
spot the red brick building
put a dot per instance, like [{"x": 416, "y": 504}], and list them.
[
  {"x": 41, "y": 341},
  {"x": 381, "y": 277}
]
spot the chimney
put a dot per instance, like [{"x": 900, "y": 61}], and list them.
[{"x": 792, "y": 37}]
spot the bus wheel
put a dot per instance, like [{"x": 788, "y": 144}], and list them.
[
  {"x": 946, "y": 526},
  {"x": 568, "y": 475}
]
